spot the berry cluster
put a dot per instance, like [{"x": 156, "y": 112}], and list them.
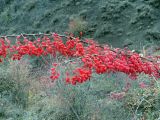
[{"x": 94, "y": 57}]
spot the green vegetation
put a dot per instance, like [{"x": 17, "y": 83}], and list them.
[
  {"x": 111, "y": 21},
  {"x": 27, "y": 93}
]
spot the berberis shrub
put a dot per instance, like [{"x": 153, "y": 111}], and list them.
[
  {"x": 91, "y": 56},
  {"x": 71, "y": 86}
]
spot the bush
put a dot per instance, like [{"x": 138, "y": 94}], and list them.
[
  {"x": 144, "y": 103},
  {"x": 77, "y": 25},
  {"x": 14, "y": 78}
]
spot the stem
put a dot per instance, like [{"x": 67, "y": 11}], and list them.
[
  {"x": 138, "y": 108},
  {"x": 45, "y": 60},
  {"x": 70, "y": 105}
]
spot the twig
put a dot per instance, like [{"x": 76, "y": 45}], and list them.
[
  {"x": 138, "y": 107},
  {"x": 38, "y": 34}
]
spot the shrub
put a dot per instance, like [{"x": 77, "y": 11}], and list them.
[
  {"x": 77, "y": 25},
  {"x": 15, "y": 80},
  {"x": 144, "y": 103},
  {"x": 90, "y": 100}
]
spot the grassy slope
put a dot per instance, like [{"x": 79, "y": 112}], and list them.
[{"x": 116, "y": 22}]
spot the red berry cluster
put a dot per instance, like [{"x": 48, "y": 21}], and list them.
[
  {"x": 94, "y": 57},
  {"x": 80, "y": 75}
]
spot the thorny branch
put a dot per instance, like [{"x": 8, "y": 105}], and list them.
[{"x": 71, "y": 37}]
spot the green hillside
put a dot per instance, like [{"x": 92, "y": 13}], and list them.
[{"x": 117, "y": 22}]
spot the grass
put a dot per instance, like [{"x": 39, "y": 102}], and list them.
[{"x": 32, "y": 96}]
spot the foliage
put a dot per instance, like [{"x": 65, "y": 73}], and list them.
[
  {"x": 14, "y": 81},
  {"x": 90, "y": 101},
  {"x": 91, "y": 57},
  {"x": 143, "y": 103},
  {"x": 77, "y": 25},
  {"x": 38, "y": 96}
]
